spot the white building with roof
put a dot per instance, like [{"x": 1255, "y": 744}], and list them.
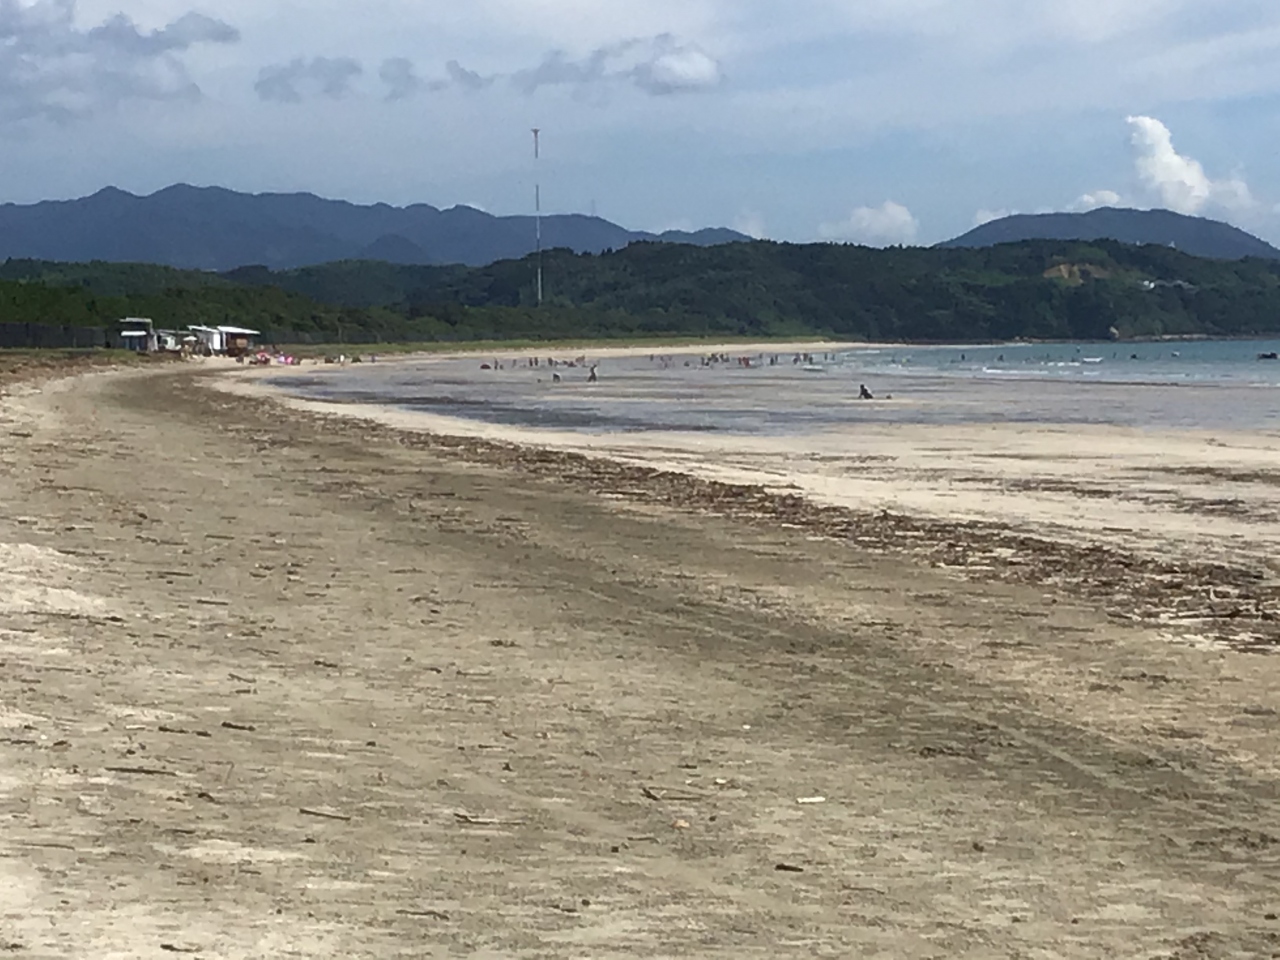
[
  {"x": 137, "y": 334},
  {"x": 225, "y": 339}
]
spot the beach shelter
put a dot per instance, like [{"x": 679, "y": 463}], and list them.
[{"x": 137, "y": 334}]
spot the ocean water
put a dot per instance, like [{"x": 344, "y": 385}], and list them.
[
  {"x": 1213, "y": 385},
  {"x": 1163, "y": 362}
]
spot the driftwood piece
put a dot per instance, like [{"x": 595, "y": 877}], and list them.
[
  {"x": 324, "y": 814},
  {"x": 471, "y": 821},
  {"x": 663, "y": 794}
]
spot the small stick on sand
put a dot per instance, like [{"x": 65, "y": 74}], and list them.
[
  {"x": 471, "y": 821},
  {"x": 429, "y": 914},
  {"x": 659, "y": 795},
  {"x": 324, "y": 814}
]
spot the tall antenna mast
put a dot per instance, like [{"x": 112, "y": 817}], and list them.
[{"x": 537, "y": 203}]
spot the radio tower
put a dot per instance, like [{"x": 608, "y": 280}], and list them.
[{"x": 537, "y": 205}]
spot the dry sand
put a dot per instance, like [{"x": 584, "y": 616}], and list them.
[{"x": 280, "y": 683}]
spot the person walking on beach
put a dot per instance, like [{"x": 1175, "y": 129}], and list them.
[{"x": 593, "y": 378}]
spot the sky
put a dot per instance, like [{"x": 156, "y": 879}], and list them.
[{"x": 868, "y": 121}]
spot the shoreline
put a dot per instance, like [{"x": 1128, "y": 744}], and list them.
[
  {"x": 1156, "y": 492},
  {"x": 1115, "y": 570},
  {"x": 597, "y": 348}
]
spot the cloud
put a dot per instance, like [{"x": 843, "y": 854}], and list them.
[
  {"x": 1234, "y": 195},
  {"x": 120, "y": 33},
  {"x": 321, "y": 76},
  {"x": 983, "y": 215},
  {"x": 679, "y": 69},
  {"x": 460, "y": 76},
  {"x": 885, "y": 225},
  {"x": 557, "y": 69},
  {"x": 1180, "y": 181},
  {"x": 399, "y": 76},
  {"x": 1099, "y": 198},
  {"x": 51, "y": 67},
  {"x": 661, "y": 66}
]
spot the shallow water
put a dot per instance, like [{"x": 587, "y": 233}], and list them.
[
  {"x": 1169, "y": 362},
  {"x": 1199, "y": 385}
]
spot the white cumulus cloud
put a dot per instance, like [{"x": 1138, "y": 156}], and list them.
[
  {"x": 983, "y": 215},
  {"x": 658, "y": 65},
  {"x": 678, "y": 69},
  {"x": 50, "y": 66},
  {"x": 1181, "y": 181},
  {"x": 880, "y": 226},
  {"x": 1096, "y": 199}
]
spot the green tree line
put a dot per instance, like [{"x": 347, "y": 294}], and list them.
[{"x": 1033, "y": 289}]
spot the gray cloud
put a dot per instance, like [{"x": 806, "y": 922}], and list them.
[
  {"x": 321, "y": 76},
  {"x": 120, "y": 34},
  {"x": 557, "y": 69},
  {"x": 460, "y": 76},
  {"x": 399, "y": 76},
  {"x": 660, "y": 66},
  {"x": 402, "y": 80},
  {"x": 50, "y": 67}
]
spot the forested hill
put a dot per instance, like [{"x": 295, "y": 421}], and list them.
[
  {"x": 1034, "y": 289},
  {"x": 1041, "y": 289},
  {"x": 1197, "y": 236}
]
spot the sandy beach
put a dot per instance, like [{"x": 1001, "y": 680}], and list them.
[
  {"x": 280, "y": 678},
  {"x": 1154, "y": 491}
]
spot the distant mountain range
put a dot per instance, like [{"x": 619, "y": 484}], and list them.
[
  {"x": 211, "y": 228},
  {"x": 1194, "y": 235},
  {"x": 214, "y": 229}
]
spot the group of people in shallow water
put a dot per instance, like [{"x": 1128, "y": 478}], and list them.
[
  {"x": 706, "y": 361},
  {"x": 593, "y": 375},
  {"x": 717, "y": 359}
]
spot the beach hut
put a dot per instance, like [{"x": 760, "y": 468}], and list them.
[
  {"x": 137, "y": 334},
  {"x": 225, "y": 341},
  {"x": 169, "y": 341},
  {"x": 208, "y": 340},
  {"x": 238, "y": 341}
]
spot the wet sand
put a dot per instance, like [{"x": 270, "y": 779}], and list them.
[
  {"x": 1157, "y": 491},
  {"x": 282, "y": 682}
]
